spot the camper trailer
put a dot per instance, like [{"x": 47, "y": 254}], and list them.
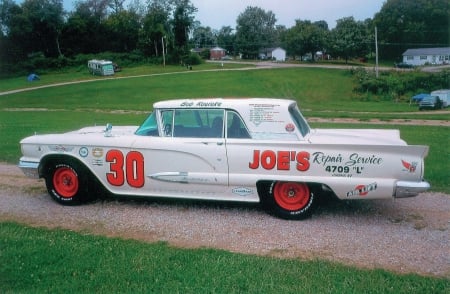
[
  {"x": 101, "y": 67},
  {"x": 444, "y": 95}
]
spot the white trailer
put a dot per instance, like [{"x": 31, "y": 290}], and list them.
[
  {"x": 444, "y": 95},
  {"x": 101, "y": 67}
]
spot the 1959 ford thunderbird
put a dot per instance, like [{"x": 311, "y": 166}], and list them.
[{"x": 251, "y": 150}]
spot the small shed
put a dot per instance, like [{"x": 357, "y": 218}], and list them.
[
  {"x": 422, "y": 56},
  {"x": 217, "y": 53},
  {"x": 276, "y": 54}
]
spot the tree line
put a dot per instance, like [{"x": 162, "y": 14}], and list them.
[{"x": 148, "y": 29}]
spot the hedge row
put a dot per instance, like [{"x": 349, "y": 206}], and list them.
[{"x": 398, "y": 85}]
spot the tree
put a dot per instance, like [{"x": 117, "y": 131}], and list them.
[
  {"x": 85, "y": 30},
  {"x": 306, "y": 37},
  {"x": 182, "y": 23},
  {"x": 34, "y": 27},
  {"x": 255, "y": 30},
  {"x": 123, "y": 28},
  {"x": 349, "y": 38},
  {"x": 404, "y": 24},
  {"x": 204, "y": 37},
  {"x": 226, "y": 39},
  {"x": 155, "y": 27}
]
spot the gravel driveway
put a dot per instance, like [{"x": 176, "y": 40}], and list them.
[{"x": 404, "y": 235}]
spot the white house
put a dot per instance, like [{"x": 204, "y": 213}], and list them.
[
  {"x": 422, "y": 56},
  {"x": 276, "y": 54},
  {"x": 279, "y": 54}
]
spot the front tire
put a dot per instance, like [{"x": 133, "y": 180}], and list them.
[
  {"x": 289, "y": 200},
  {"x": 67, "y": 183}
]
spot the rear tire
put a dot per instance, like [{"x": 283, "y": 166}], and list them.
[
  {"x": 289, "y": 200},
  {"x": 67, "y": 183}
]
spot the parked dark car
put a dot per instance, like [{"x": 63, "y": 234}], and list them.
[
  {"x": 431, "y": 102},
  {"x": 403, "y": 65}
]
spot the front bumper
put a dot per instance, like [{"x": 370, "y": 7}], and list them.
[
  {"x": 409, "y": 189},
  {"x": 29, "y": 168}
]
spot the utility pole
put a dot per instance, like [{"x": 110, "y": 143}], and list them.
[{"x": 376, "y": 52}]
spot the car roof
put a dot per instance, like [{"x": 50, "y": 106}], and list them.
[{"x": 224, "y": 103}]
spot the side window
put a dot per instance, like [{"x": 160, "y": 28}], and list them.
[
  {"x": 167, "y": 123},
  {"x": 235, "y": 126},
  {"x": 198, "y": 123}
]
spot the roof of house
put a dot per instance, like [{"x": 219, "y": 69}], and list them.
[
  {"x": 266, "y": 50},
  {"x": 428, "y": 51},
  {"x": 217, "y": 49}
]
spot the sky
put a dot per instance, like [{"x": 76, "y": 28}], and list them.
[
  {"x": 219, "y": 13},
  {"x": 215, "y": 13}
]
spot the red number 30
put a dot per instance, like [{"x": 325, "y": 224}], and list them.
[{"x": 134, "y": 168}]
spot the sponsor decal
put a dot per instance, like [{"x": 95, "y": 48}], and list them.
[
  {"x": 409, "y": 166},
  {"x": 83, "y": 152},
  {"x": 362, "y": 190},
  {"x": 281, "y": 160},
  {"x": 201, "y": 104},
  {"x": 261, "y": 113},
  {"x": 60, "y": 148},
  {"x": 242, "y": 191},
  {"x": 290, "y": 128},
  {"x": 97, "y": 152},
  {"x": 97, "y": 162}
]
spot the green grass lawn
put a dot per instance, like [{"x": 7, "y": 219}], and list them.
[
  {"x": 81, "y": 74},
  {"x": 319, "y": 92},
  {"x": 39, "y": 260},
  {"x": 36, "y": 260}
]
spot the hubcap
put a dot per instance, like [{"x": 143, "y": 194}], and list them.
[
  {"x": 291, "y": 196},
  {"x": 65, "y": 182}
]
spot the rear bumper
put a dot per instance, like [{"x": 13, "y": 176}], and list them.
[
  {"x": 30, "y": 169},
  {"x": 410, "y": 189}
]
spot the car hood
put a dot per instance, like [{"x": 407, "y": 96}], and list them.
[
  {"x": 356, "y": 137},
  {"x": 96, "y": 134}
]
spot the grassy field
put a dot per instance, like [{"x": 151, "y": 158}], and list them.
[
  {"x": 121, "y": 100},
  {"x": 36, "y": 260},
  {"x": 40, "y": 260}
]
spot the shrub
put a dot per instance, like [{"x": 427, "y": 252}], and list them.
[
  {"x": 192, "y": 59},
  {"x": 394, "y": 85}
]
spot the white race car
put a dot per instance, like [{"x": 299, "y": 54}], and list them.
[{"x": 250, "y": 150}]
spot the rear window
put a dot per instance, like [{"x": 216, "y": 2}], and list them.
[{"x": 299, "y": 120}]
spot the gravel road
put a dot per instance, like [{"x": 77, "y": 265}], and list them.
[{"x": 404, "y": 235}]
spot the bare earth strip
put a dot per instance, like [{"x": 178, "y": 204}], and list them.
[{"x": 404, "y": 235}]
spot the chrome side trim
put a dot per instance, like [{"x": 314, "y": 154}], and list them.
[
  {"x": 29, "y": 168},
  {"x": 410, "y": 189},
  {"x": 180, "y": 177}
]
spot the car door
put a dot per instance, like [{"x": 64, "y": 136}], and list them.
[{"x": 188, "y": 159}]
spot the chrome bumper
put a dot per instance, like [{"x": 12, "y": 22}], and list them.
[
  {"x": 410, "y": 189},
  {"x": 30, "y": 169}
]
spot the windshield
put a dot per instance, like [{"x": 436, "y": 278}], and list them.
[
  {"x": 299, "y": 120},
  {"x": 149, "y": 127}
]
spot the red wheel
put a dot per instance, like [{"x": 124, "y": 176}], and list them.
[
  {"x": 65, "y": 182},
  {"x": 288, "y": 200},
  {"x": 291, "y": 196}
]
